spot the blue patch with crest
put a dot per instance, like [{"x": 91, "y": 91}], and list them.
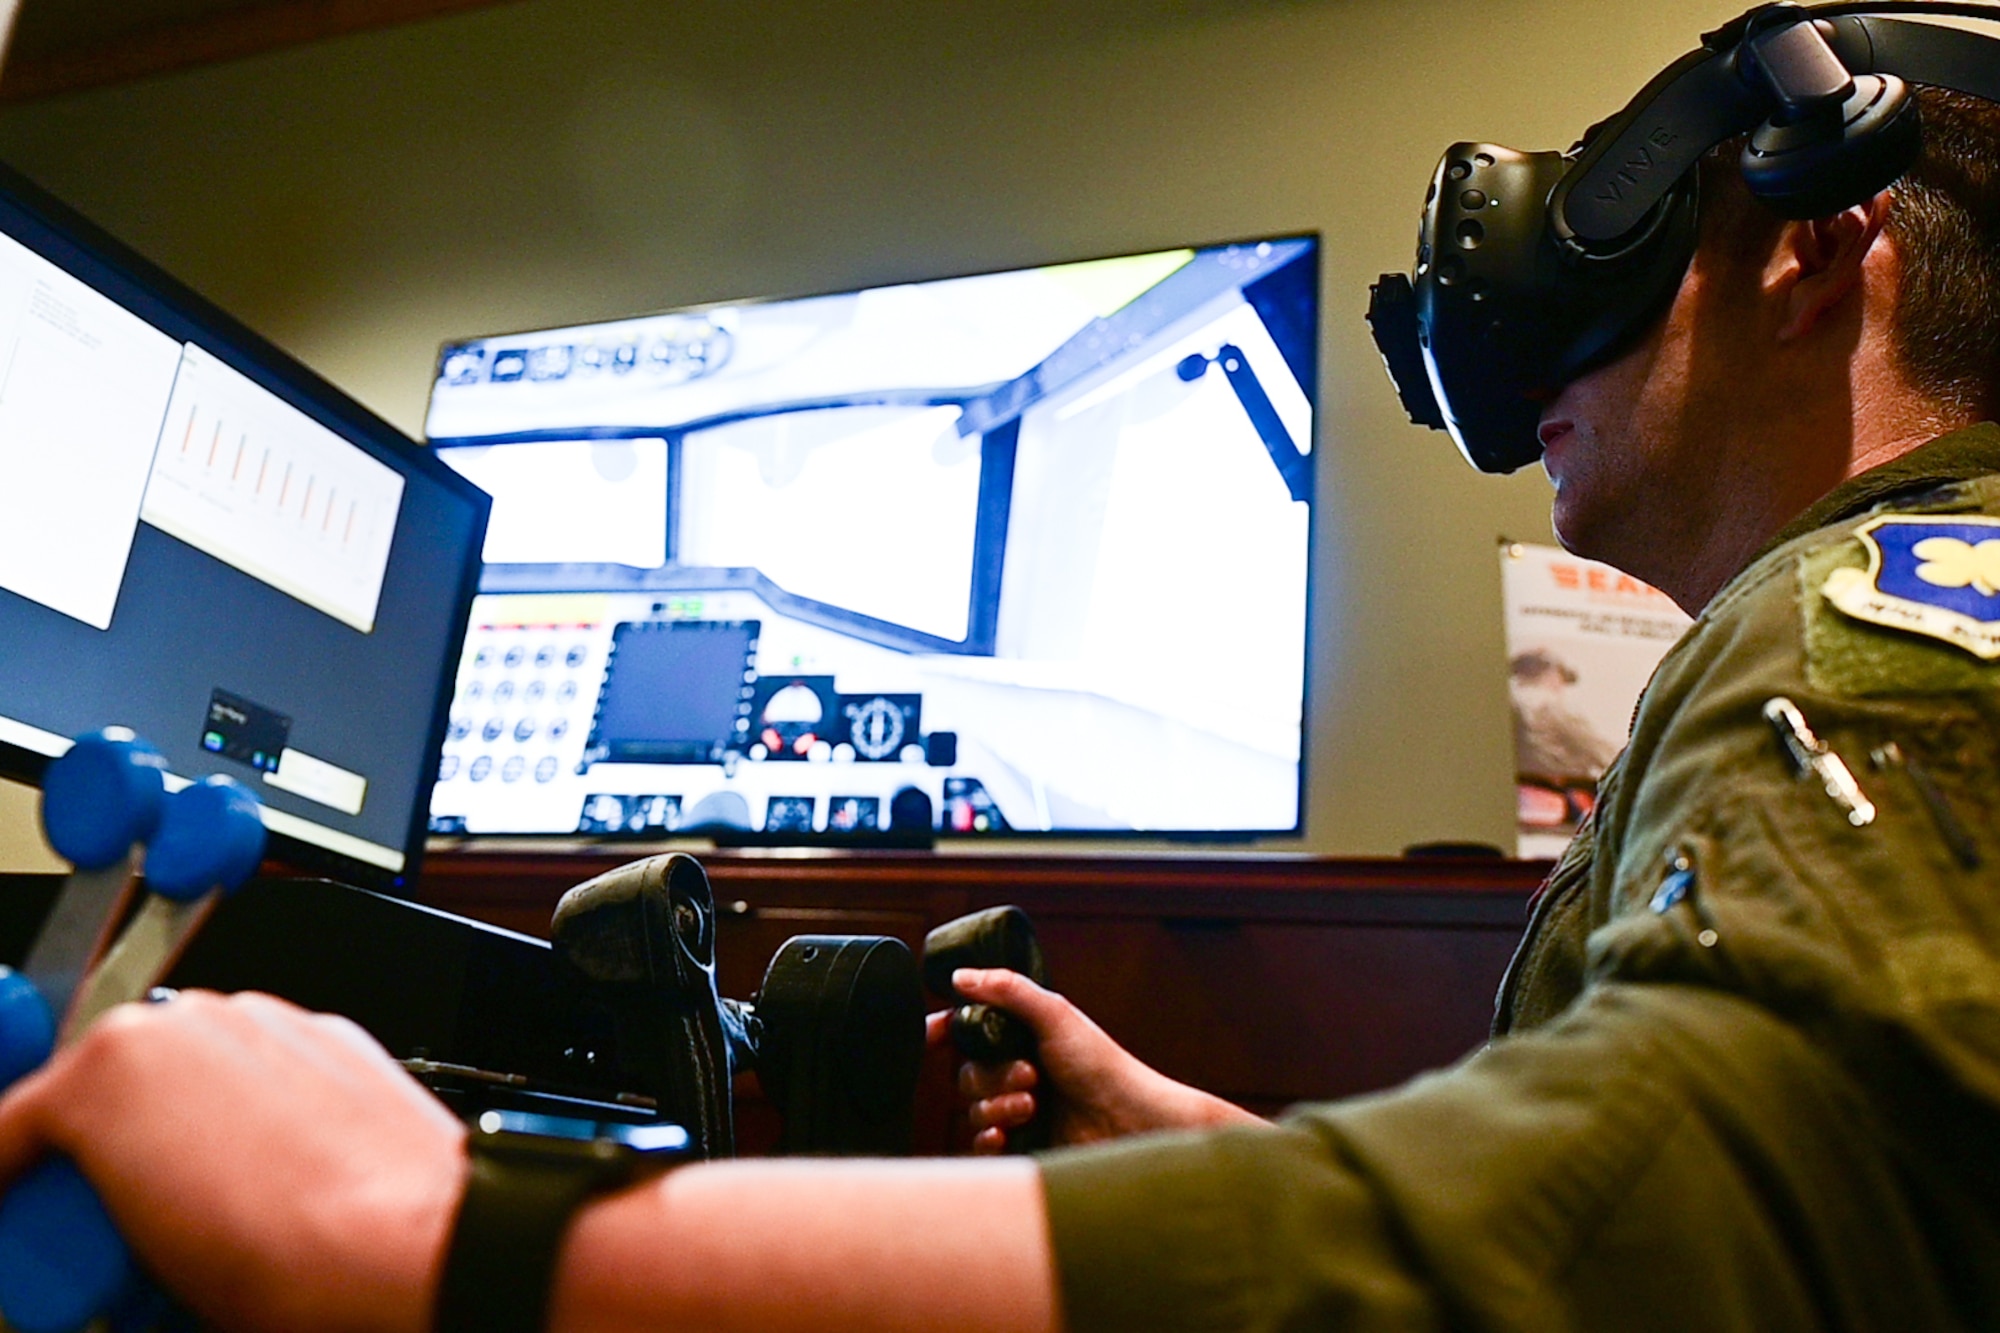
[{"x": 1938, "y": 577}]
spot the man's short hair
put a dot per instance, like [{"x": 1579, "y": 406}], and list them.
[{"x": 1945, "y": 224}]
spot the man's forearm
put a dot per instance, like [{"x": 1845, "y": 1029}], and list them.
[{"x": 802, "y": 1245}]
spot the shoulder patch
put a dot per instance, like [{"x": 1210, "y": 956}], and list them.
[
  {"x": 1934, "y": 576},
  {"x": 1880, "y": 610}
]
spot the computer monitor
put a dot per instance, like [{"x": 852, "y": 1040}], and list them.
[
  {"x": 203, "y": 541},
  {"x": 1022, "y": 552}
]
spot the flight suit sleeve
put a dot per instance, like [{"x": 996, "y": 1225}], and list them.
[
  {"x": 1661, "y": 1157},
  {"x": 1238, "y": 1229}
]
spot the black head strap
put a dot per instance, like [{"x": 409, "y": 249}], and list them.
[{"x": 1717, "y": 92}]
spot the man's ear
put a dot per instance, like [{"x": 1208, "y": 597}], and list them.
[{"x": 1817, "y": 262}]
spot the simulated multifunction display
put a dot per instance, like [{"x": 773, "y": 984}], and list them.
[{"x": 1019, "y": 552}]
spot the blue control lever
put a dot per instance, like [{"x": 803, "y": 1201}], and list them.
[
  {"x": 211, "y": 836},
  {"x": 62, "y": 1262},
  {"x": 101, "y": 802}
]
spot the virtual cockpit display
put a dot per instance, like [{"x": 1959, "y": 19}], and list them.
[{"x": 1025, "y": 551}]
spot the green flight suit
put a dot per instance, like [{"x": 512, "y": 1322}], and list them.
[{"x": 1746, "y": 1070}]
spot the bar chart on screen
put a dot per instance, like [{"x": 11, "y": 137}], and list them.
[{"x": 257, "y": 483}]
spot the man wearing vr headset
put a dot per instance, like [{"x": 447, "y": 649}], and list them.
[{"x": 1750, "y": 1067}]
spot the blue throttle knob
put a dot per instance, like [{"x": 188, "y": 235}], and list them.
[
  {"x": 105, "y": 794},
  {"x": 211, "y": 835},
  {"x": 27, "y": 1028},
  {"x": 62, "y": 1262}
]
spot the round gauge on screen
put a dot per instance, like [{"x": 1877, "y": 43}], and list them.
[{"x": 875, "y": 728}]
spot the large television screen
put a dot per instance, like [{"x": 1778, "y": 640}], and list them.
[
  {"x": 1022, "y": 552},
  {"x": 203, "y": 541}
]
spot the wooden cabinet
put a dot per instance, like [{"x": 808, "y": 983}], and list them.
[
  {"x": 1269, "y": 1013},
  {"x": 1268, "y": 979}
]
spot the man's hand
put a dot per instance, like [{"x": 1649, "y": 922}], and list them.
[
  {"x": 274, "y": 1168},
  {"x": 278, "y": 1171},
  {"x": 1095, "y": 1087}
]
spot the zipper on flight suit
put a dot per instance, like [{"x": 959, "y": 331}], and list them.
[
  {"x": 1958, "y": 839},
  {"x": 1680, "y": 887},
  {"x": 1810, "y": 757}
]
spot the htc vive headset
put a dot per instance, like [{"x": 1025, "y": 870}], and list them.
[{"x": 1533, "y": 268}]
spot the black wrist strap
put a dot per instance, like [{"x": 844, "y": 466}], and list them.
[{"x": 521, "y": 1194}]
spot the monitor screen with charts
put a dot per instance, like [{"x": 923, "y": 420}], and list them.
[
  {"x": 203, "y": 541},
  {"x": 1022, "y": 552}
]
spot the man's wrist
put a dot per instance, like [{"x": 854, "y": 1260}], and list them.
[
  {"x": 522, "y": 1193},
  {"x": 1184, "y": 1106}
]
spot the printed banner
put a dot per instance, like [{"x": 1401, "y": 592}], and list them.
[{"x": 1582, "y": 641}]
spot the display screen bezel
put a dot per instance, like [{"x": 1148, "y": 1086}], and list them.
[{"x": 64, "y": 237}]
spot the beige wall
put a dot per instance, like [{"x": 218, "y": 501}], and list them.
[
  {"x": 563, "y": 160},
  {"x": 21, "y": 845}
]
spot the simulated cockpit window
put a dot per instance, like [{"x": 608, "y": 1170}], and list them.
[{"x": 871, "y": 509}]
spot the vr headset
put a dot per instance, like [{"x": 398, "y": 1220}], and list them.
[{"x": 1533, "y": 268}]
